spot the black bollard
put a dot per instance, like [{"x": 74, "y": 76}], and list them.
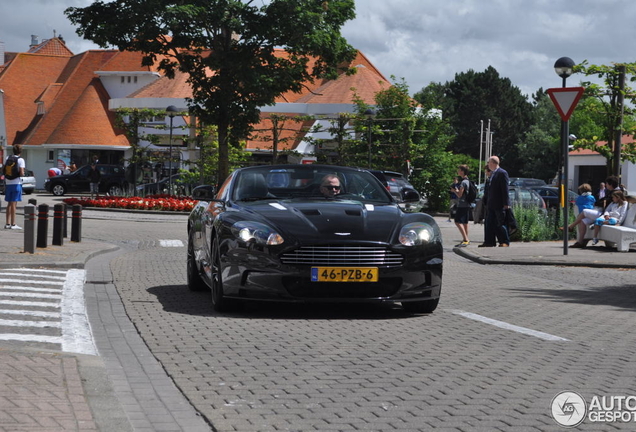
[
  {"x": 33, "y": 201},
  {"x": 65, "y": 230},
  {"x": 58, "y": 224},
  {"x": 43, "y": 225},
  {"x": 29, "y": 228},
  {"x": 76, "y": 223}
]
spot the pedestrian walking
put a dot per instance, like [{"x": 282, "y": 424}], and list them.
[
  {"x": 462, "y": 212},
  {"x": 94, "y": 177},
  {"x": 13, "y": 170},
  {"x": 453, "y": 198}
]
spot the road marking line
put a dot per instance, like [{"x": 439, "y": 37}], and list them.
[
  {"x": 42, "y": 296},
  {"x": 30, "y": 313},
  {"x": 31, "y": 275},
  {"x": 29, "y": 271},
  {"x": 507, "y": 326},
  {"x": 32, "y": 289},
  {"x": 31, "y": 338},
  {"x": 25, "y": 323},
  {"x": 33, "y": 282},
  {"x": 30, "y": 303},
  {"x": 170, "y": 243}
]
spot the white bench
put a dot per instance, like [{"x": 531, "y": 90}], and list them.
[{"x": 618, "y": 236}]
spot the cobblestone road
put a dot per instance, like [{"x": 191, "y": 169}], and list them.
[{"x": 324, "y": 368}]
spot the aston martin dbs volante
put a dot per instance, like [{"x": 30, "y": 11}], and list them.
[{"x": 311, "y": 233}]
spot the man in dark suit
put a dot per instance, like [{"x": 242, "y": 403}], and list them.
[{"x": 497, "y": 204}]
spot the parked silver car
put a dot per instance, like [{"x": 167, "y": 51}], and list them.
[{"x": 28, "y": 183}]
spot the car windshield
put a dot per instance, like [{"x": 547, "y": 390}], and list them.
[{"x": 308, "y": 182}]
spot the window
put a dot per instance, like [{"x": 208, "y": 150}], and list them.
[
  {"x": 123, "y": 80},
  {"x": 50, "y": 156}
]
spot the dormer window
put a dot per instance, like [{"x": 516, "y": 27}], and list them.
[{"x": 41, "y": 110}]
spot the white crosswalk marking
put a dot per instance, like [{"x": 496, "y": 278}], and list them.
[
  {"x": 170, "y": 243},
  {"x": 45, "y": 306}
]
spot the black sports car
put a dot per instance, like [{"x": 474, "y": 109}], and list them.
[{"x": 311, "y": 233}]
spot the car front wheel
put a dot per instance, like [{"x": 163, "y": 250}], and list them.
[
  {"x": 219, "y": 302},
  {"x": 195, "y": 283},
  {"x": 58, "y": 190}
]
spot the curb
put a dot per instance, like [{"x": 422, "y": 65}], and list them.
[{"x": 487, "y": 261}]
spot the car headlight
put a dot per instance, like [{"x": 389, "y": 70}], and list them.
[
  {"x": 416, "y": 234},
  {"x": 256, "y": 232}
]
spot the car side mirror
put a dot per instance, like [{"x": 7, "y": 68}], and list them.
[
  {"x": 410, "y": 195},
  {"x": 204, "y": 192}
]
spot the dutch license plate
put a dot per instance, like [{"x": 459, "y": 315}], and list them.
[{"x": 344, "y": 274}]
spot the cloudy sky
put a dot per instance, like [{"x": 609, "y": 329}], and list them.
[{"x": 427, "y": 41}]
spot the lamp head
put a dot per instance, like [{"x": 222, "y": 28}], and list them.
[
  {"x": 369, "y": 113},
  {"x": 172, "y": 111},
  {"x": 564, "y": 67}
]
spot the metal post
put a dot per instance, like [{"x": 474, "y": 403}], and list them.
[
  {"x": 620, "y": 100},
  {"x": 65, "y": 230},
  {"x": 481, "y": 144},
  {"x": 29, "y": 228},
  {"x": 565, "y": 130},
  {"x": 76, "y": 224},
  {"x": 170, "y": 160},
  {"x": 58, "y": 224},
  {"x": 43, "y": 225},
  {"x": 33, "y": 201}
]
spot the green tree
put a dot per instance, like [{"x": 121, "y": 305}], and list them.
[
  {"x": 228, "y": 48},
  {"x": 611, "y": 110},
  {"x": 409, "y": 138},
  {"x": 539, "y": 147},
  {"x": 475, "y": 96}
]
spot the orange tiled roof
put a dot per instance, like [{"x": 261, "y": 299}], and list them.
[
  {"x": 365, "y": 83},
  {"x": 53, "y": 47},
  {"x": 76, "y": 77},
  {"x": 165, "y": 87},
  {"x": 24, "y": 80},
  {"x": 587, "y": 152}
]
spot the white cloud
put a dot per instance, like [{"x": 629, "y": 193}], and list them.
[{"x": 429, "y": 40}]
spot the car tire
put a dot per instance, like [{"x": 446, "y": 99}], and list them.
[
  {"x": 58, "y": 189},
  {"x": 426, "y": 306},
  {"x": 220, "y": 303},
  {"x": 195, "y": 282}
]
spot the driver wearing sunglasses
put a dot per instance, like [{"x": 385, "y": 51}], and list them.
[{"x": 330, "y": 185}]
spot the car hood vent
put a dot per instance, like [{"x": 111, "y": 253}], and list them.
[{"x": 311, "y": 212}]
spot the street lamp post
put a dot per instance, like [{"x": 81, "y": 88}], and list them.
[
  {"x": 171, "y": 111},
  {"x": 370, "y": 115},
  {"x": 564, "y": 68}
]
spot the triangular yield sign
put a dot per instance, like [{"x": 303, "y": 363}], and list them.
[{"x": 565, "y": 100}]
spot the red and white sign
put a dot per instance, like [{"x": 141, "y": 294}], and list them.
[{"x": 565, "y": 100}]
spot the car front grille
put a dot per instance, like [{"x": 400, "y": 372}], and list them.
[{"x": 350, "y": 256}]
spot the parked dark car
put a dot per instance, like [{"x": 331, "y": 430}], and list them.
[
  {"x": 398, "y": 186},
  {"x": 550, "y": 195},
  {"x": 526, "y": 182},
  {"x": 525, "y": 197},
  {"x": 113, "y": 181},
  {"x": 270, "y": 234}
]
